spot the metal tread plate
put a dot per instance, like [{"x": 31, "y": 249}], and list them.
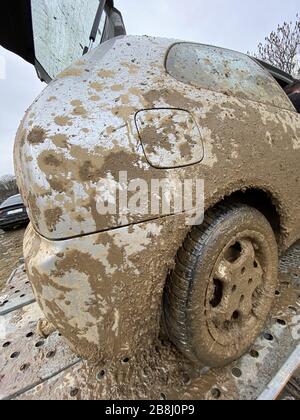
[
  {"x": 17, "y": 293},
  {"x": 161, "y": 372},
  {"x": 26, "y": 360}
]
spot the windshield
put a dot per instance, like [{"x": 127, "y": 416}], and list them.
[{"x": 12, "y": 201}]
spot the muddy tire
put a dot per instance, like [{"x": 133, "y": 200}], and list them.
[{"x": 218, "y": 297}]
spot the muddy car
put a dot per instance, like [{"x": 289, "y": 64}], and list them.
[{"x": 132, "y": 111}]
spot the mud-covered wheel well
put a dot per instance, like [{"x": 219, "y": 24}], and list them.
[{"x": 262, "y": 201}]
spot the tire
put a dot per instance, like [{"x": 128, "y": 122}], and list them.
[{"x": 219, "y": 295}]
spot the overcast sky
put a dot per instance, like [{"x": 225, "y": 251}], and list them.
[{"x": 235, "y": 24}]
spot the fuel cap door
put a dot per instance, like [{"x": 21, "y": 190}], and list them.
[{"x": 170, "y": 137}]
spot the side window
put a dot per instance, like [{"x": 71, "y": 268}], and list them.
[{"x": 224, "y": 71}]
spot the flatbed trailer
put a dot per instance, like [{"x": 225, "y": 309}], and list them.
[{"x": 32, "y": 368}]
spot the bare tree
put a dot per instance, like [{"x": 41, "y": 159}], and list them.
[
  {"x": 8, "y": 187},
  {"x": 282, "y": 47}
]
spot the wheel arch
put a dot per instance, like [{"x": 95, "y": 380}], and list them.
[{"x": 265, "y": 202}]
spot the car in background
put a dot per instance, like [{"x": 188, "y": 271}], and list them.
[{"x": 13, "y": 213}]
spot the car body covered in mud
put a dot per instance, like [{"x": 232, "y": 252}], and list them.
[{"x": 155, "y": 109}]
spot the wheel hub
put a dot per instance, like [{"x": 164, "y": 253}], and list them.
[{"x": 234, "y": 294}]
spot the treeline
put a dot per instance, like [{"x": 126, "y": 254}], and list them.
[{"x": 8, "y": 187}]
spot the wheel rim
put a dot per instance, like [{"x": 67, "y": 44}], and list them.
[{"x": 238, "y": 288}]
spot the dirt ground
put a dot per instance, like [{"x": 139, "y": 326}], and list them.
[{"x": 11, "y": 250}]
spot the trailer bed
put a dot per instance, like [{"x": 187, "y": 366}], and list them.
[{"x": 33, "y": 368}]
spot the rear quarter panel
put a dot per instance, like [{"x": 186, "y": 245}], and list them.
[{"x": 82, "y": 130}]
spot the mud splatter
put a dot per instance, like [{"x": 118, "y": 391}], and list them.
[
  {"x": 79, "y": 110},
  {"x": 88, "y": 172},
  {"x": 62, "y": 121},
  {"x": 95, "y": 98},
  {"x": 135, "y": 91},
  {"x": 186, "y": 151},
  {"x": 98, "y": 87},
  {"x": 132, "y": 68},
  {"x": 171, "y": 97},
  {"x": 34, "y": 210},
  {"x": 106, "y": 74},
  {"x": 124, "y": 112},
  {"x": 60, "y": 140},
  {"x": 117, "y": 88},
  {"x": 52, "y": 217},
  {"x": 76, "y": 103},
  {"x": 37, "y": 136},
  {"x": 71, "y": 72}
]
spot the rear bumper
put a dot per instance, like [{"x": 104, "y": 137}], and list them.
[
  {"x": 13, "y": 220},
  {"x": 103, "y": 292}
]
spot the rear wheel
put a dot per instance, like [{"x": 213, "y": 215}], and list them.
[{"x": 219, "y": 295}]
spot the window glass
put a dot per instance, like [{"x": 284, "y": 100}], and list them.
[
  {"x": 224, "y": 71},
  {"x": 61, "y": 30},
  {"x": 11, "y": 201}
]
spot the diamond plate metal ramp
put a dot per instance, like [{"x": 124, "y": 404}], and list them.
[
  {"x": 164, "y": 374},
  {"x": 17, "y": 293},
  {"x": 161, "y": 372},
  {"x": 26, "y": 360}
]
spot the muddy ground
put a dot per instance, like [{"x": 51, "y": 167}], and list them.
[{"x": 11, "y": 250}]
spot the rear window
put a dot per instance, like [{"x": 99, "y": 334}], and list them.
[
  {"x": 224, "y": 71},
  {"x": 12, "y": 201}
]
